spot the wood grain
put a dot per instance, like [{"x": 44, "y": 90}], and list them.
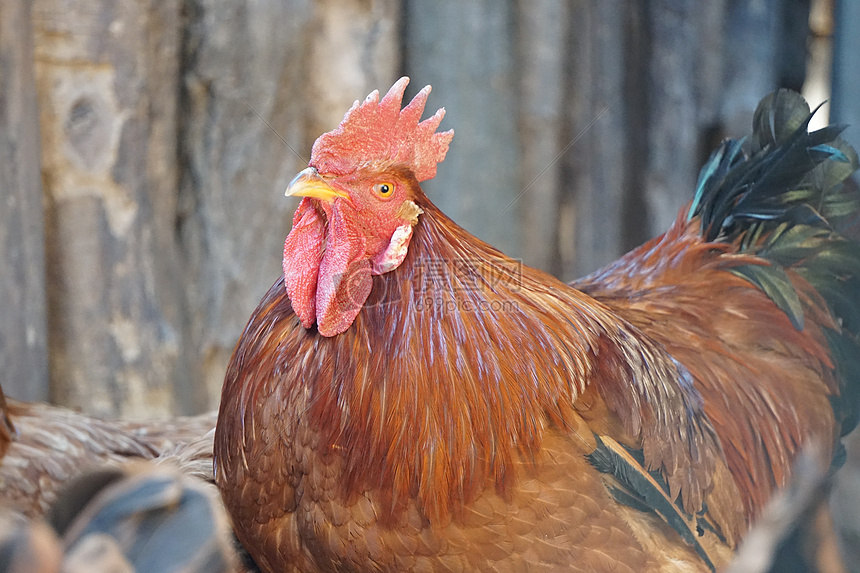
[{"x": 23, "y": 339}]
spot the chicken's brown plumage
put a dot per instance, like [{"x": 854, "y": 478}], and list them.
[
  {"x": 121, "y": 495},
  {"x": 137, "y": 516},
  {"x": 436, "y": 405},
  {"x": 46, "y": 446}
]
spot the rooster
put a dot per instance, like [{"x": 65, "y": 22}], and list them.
[{"x": 407, "y": 398}]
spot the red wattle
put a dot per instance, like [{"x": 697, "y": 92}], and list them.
[
  {"x": 344, "y": 280},
  {"x": 303, "y": 252}
]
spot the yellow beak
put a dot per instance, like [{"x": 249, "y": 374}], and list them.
[{"x": 308, "y": 183}]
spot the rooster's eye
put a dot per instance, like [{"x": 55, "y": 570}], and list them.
[{"x": 384, "y": 189}]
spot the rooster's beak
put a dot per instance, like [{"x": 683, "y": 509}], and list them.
[{"x": 308, "y": 183}]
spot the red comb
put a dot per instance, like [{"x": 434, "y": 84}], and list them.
[{"x": 380, "y": 131}]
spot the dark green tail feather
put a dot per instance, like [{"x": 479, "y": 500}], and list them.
[
  {"x": 644, "y": 490},
  {"x": 779, "y": 195}
]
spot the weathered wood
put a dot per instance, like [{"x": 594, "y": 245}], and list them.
[
  {"x": 353, "y": 48},
  {"x": 106, "y": 74},
  {"x": 845, "y": 105},
  {"x": 23, "y": 346},
  {"x": 710, "y": 33},
  {"x": 592, "y": 187},
  {"x": 466, "y": 51},
  {"x": 750, "y": 70},
  {"x": 260, "y": 82},
  {"x": 792, "y": 43},
  {"x": 673, "y": 134},
  {"x": 541, "y": 35}
]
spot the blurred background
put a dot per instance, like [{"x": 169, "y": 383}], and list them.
[{"x": 145, "y": 146}]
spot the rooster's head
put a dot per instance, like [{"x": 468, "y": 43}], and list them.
[{"x": 359, "y": 205}]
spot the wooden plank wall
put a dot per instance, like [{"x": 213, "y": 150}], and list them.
[
  {"x": 169, "y": 129},
  {"x": 845, "y": 107},
  {"x": 107, "y": 91},
  {"x": 23, "y": 344}
]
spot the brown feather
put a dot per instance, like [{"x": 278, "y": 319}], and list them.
[
  {"x": 766, "y": 385},
  {"x": 52, "y": 445}
]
